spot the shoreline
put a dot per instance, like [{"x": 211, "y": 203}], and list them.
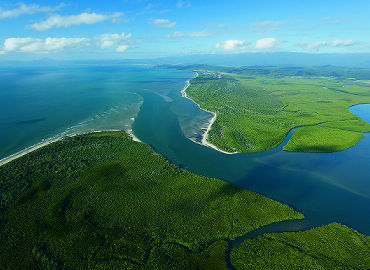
[
  {"x": 204, "y": 141},
  {"x": 213, "y": 119},
  {"x": 28, "y": 150},
  {"x": 56, "y": 139}
]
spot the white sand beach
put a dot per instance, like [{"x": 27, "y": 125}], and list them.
[
  {"x": 28, "y": 150},
  {"x": 213, "y": 119},
  {"x": 47, "y": 142}
]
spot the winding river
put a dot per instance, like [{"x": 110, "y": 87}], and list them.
[{"x": 325, "y": 187}]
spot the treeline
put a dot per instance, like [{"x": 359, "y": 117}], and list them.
[{"x": 283, "y": 71}]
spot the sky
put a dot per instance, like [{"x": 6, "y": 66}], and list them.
[{"x": 122, "y": 29}]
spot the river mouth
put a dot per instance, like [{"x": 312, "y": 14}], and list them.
[
  {"x": 325, "y": 187},
  {"x": 292, "y": 178},
  {"x": 309, "y": 182}
]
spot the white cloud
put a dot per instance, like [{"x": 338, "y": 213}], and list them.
[
  {"x": 118, "y": 41},
  {"x": 67, "y": 21},
  {"x": 267, "y": 43},
  {"x": 317, "y": 44},
  {"x": 23, "y": 9},
  {"x": 334, "y": 43},
  {"x": 47, "y": 45},
  {"x": 349, "y": 42},
  {"x": 163, "y": 23},
  {"x": 122, "y": 48},
  {"x": 231, "y": 44},
  {"x": 192, "y": 34}
]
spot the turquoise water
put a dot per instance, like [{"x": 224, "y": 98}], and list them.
[{"x": 40, "y": 103}]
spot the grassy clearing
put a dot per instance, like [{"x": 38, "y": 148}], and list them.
[
  {"x": 333, "y": 246},
  {"x": 101, "y": 201},
  {"x": 322, "y": 139},
  {"x": 256, "y": 109}
]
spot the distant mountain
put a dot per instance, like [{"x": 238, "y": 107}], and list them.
[
  {"x": 290, "y": 59},
  {"x": 267, "y": 59}
]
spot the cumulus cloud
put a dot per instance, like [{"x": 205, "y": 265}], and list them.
[
  {"x": 231, "y": 44},
  {"x": 70, "y": 20},
  {"x": 334, "y": 43},
  {"x": 24, "y": 9},
  {"x": 163, "y": 23},
  {"x": 267, "y": 43},
  {"x": 179, "y": 34},
  {"x": 118, "y": 41},
  {"x": 37, "y": 45}
]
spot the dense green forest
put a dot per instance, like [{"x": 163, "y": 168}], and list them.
[
  {"x": 102, "y": 201},
  {"x": 256, "y": 110},
  {"x": 333, "y": 246},
  {"x": 342, "y": 73},
  {"x": 321, "y": 139}
]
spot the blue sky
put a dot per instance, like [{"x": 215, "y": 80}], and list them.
[{"x": 147, "y": 29}]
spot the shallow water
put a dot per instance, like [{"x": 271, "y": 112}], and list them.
[{"x": 40, "y": 103}]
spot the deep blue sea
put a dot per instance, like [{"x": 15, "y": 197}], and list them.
[{"x": 39, "y": 103}]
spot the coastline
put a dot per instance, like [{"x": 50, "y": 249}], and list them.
[
  {"x": 53, "y": 140},
  {"x": 213, "y": 119},
  {"x": 130, "y": 132},
  {"x": 28, "y": 150}
]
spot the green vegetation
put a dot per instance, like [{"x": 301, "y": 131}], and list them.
[
  {"x": 101, "y": 201},
  {"x": 321, "y": 139},
  {"x": 176, "y": 257},
  {"x": 358, "y": 75},
  {"x": 256, "y": 107},
  {"x": 351, "y": 125},
  {"x": 333, "y": 246}
]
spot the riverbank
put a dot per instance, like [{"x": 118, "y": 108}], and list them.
[{"x": 213, "y": 119}]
